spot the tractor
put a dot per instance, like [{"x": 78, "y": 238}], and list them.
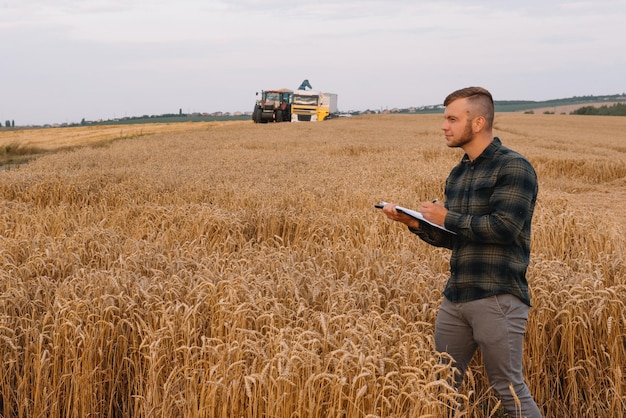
[{"x": 273, "y": 106}]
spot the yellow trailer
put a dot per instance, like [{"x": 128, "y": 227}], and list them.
[{"x": 313, "y": 105}]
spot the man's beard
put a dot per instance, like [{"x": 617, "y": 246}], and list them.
[{"x": 466, "y": 137}]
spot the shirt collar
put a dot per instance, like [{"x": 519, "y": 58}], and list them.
[{"x": 487, "y": 153}]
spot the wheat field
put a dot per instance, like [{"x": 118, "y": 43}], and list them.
[{"x": 240, "y": 270}]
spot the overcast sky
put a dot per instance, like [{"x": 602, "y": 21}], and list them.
[{"x": 65, "y": 60}]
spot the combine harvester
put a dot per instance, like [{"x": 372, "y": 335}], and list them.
[{"x": 302, "y": 105}]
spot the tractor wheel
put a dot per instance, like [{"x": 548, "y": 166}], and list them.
[
  {"x": 256, "y": 114},
  {"x": 279, "y": 116}
]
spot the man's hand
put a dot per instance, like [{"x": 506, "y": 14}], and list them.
[
  {"x": 390, "y": 210},
  {"x": 433, "y": 212}
]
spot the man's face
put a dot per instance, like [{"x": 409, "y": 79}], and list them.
[{"x": 457, "y": 125}]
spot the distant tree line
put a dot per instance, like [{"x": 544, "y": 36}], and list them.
[
  {"x": 8, "y": 124},
  {"x": 618, "y": 109}
]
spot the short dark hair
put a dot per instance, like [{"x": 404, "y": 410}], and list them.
[{"x": 480, "y": 100}]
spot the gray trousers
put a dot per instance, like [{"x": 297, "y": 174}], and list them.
[{"x": 496, "y": 325}]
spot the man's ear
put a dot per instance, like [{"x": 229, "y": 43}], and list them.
[{"x": 478, "y": 124}]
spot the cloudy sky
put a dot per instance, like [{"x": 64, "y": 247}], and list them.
[{"x": 65, "y": 60}]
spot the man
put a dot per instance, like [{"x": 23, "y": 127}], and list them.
[{"x": 490, "y": 199}]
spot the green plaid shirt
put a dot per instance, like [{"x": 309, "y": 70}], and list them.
[{"x": 491, "y": 202}]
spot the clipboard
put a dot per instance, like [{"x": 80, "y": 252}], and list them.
[{"x": 414, "y": 214}]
